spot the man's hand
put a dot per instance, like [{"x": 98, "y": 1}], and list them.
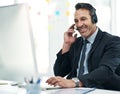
[
  {"x": 69, "y": 38},
  {"x": 62, "y": 82}
]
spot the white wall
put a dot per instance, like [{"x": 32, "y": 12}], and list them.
[{"x": 117, "y": 16}]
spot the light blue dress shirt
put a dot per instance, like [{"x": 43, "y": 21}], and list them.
[{"x": 88, "y": 47}]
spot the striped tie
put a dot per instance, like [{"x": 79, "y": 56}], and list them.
[{"x": 81, "y": 69}]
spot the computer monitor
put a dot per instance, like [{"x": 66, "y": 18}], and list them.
[{"x": 17, "y": 55}]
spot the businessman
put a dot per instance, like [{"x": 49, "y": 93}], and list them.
[{"x": 91, "y": 60}]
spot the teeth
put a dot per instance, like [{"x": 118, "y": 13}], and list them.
[{"x": 83, "y": 29}]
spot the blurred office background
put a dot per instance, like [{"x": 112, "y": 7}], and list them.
[{"x": 31, "y": 33}]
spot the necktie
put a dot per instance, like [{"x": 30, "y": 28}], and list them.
[{"x": 81, "y": 69}]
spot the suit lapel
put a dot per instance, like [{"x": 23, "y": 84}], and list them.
[
  {"x": 78, "y": 51},
  {"x": 79, "y": 48},
  {"x": 96, "y": 42}
]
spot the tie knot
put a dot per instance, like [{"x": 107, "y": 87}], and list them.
[{"x": 86, "y": 41}]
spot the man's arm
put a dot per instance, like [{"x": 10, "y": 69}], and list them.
[
  {"x": 62, "y": 64},
  {"x": 107, "y": 65}
]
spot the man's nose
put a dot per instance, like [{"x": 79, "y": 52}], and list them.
[{"x": 79, "y": 24}]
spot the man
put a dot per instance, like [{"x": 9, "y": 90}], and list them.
[{"x": 101, "y": 58}]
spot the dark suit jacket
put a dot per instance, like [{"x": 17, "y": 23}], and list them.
[{"x": 103, "y": 60}]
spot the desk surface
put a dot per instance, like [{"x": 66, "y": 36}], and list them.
[
  {"x": 16, "y": 90},
  {"x": 79, "y": 91},
  {"x": 8, "y": 89}
]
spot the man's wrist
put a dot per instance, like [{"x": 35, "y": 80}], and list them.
[
  {"x": 65, "y": 48},
  {"x": 76, "y": 81}
]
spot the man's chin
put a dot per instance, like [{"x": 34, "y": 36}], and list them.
[{"x": 84, "y": 35}]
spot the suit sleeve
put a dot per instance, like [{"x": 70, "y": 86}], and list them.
[
  {"x": 107, "y": 66},
  {"x": 62, "y": 65}
]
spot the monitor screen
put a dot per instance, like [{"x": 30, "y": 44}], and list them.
[{"x": 17, "y": 58}]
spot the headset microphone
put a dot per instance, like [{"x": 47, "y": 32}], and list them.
[{"x": 77, "y": 28}]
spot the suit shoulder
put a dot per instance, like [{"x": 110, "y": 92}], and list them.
[{"x": 110, "y": 36}]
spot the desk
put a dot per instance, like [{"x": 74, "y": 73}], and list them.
[
  {"x": 8, "y": 89},
  {"x": 15, "y": 90}
]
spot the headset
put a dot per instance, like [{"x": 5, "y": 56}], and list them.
[
  {"x": 94, "y": 17},
  {"x": 91, "y": 9}
]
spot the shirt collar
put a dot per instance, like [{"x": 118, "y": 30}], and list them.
[{"x": 92, "y": 37}]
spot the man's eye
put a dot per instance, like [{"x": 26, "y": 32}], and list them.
[
  {"x": 75, "y": 21},
  {"x": 82, "y": 19}
]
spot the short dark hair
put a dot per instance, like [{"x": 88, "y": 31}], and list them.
[{"x": 91, "y": 9}]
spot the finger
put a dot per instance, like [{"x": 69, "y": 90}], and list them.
[
  {"x": 58, "y": 79},
  {"x": 71, "y": 30},
  {"x": 75, "y": 36},
  {"x": 50, "y": 79},
  {"x": 47, "y": 81},
  {"x": 56, "y": 84},
  {"x": 61, "y": 84},
  {"x": 55, "y": 81},
  {"x": 72, "y": 26}
]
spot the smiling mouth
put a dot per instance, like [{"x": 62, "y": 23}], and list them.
[{"x": 83, "y": 30}]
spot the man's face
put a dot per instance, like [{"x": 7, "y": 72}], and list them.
[{"x": 84, "y": 23}]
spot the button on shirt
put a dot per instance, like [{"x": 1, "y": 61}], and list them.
[{"x": 88, "y": 47}]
